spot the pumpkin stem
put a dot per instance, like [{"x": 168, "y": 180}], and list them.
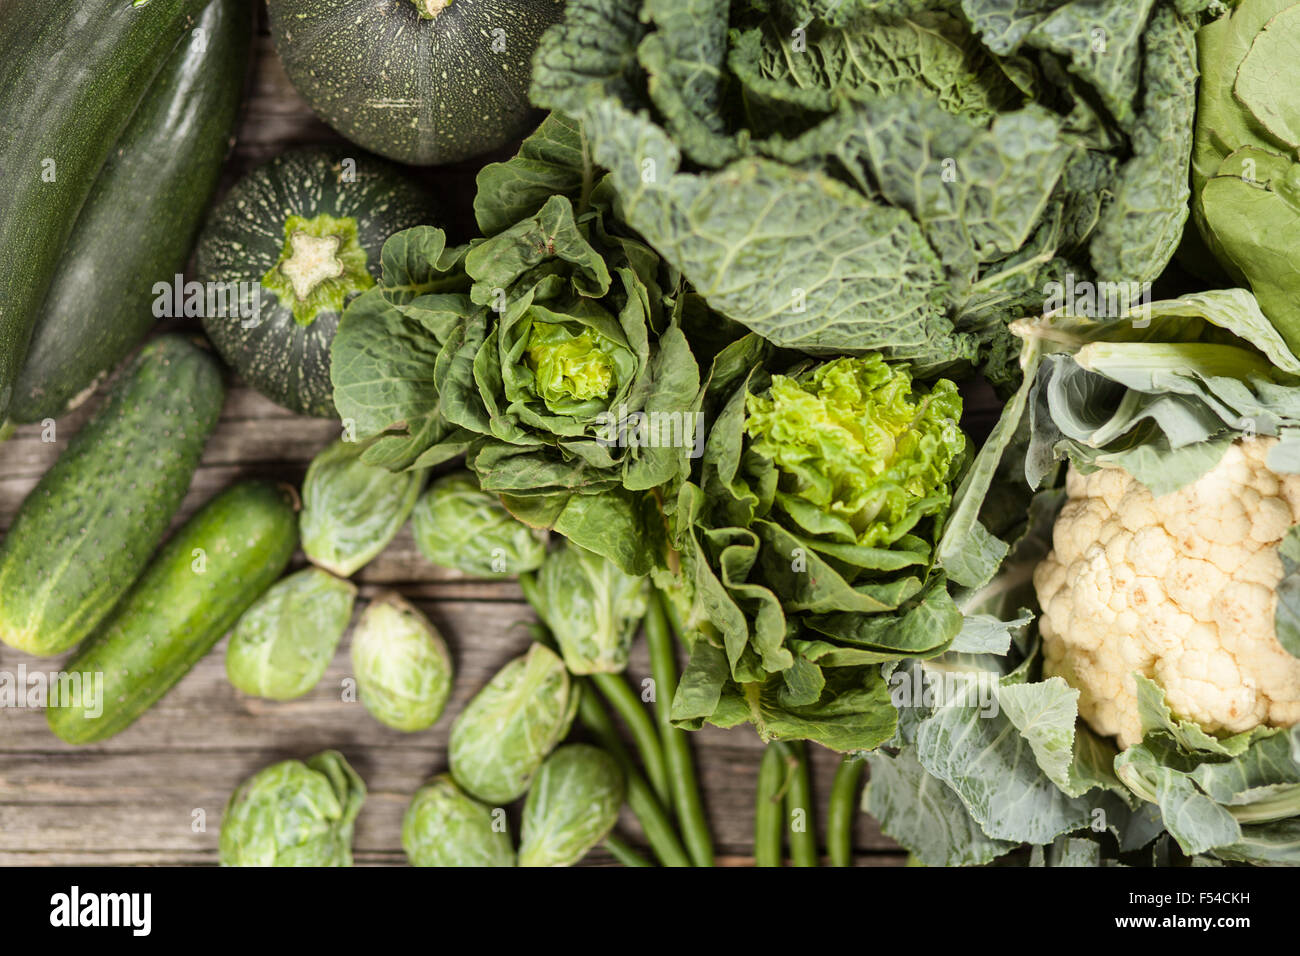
[
  {"x": 312, "y": 261},
  {"x": 429, "y": 9},
  {"x": 321, "y": 266}
]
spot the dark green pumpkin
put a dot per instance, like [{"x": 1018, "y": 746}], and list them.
[
  {"x": 420, "y": 81},
  {"x": 291, "y": 244}
]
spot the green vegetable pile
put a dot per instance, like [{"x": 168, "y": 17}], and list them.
[{"x": 917, "y": 380}]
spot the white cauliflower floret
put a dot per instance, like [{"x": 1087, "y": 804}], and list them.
[{"x": 1181, "y": 589}]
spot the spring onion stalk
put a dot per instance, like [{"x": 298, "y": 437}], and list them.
[
  {"x": 615, "y": 689},
  {"x": 799, "y": 806},
  {"x": 842, "y": 811},
  {"x": 624, "y": 852},
  {"x": 656, "y": 825},
  {"x": 767, "y": 808},
  {"x": 677, "y": 747}
]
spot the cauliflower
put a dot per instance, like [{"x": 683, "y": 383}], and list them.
[{"x": 1180, "y": 589}]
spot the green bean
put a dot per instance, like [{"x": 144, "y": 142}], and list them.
[
  {"x": 767, "y": 808},
  {"x": 677, "y": 747},
  {"x": 641, "y": 800},
  {"x": 628, "y": 706},
  {"x": 656, "y": 825},
  {"x": 798, "y": 797},
  {"x": 843, "y": 810},
  {"x": 624, "y": 852}
]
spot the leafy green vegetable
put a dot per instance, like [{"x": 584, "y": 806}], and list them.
[
  {"x": 351, "y": 510},
  {"x": 1244, "y": 169},
  {"x": 560, "y": 373},
  {"x": 459, "y": 526},
  {"x": 1162, "y": 391},
  {"x": 572, "y": 804},
  {"x": 394, "y": 348},
  {"x": 856, "y": 176},
  {"x": 806, "y": 547},
  {"x": 988, "y": 757},
  {"x": 444, "y": 826},
  {"x": 500, "y": 739},
  {"x": 294, "y": 813},
  {"x": 401, "y": 663},
  {"x": 592, "y": 608},
  {"x": 1142, "y": 225},
  {"x": 283, "y": 643}
]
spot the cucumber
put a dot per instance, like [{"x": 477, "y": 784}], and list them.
[
  {"x": 215, "y": 566},
  {"x": 138, "y": 224},
  {"x": 87, "y": 529},
  {"x": 71, "y": 75}
]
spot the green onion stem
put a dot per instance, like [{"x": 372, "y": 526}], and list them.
[
  {"x": 767, "y": 808},
  {"x": 615, "y": 689},
  {"x": 843, "y": 810},
  {"x": 677, "y": 747},
  {"x": 658, "y": 828},
  {"x": 624, "y": 852},
  {"x": 798, "y": 806}
]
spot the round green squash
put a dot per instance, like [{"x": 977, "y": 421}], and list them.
[
  {"x": 420, "y": 81},
  {"x": 281, "y": 256}
]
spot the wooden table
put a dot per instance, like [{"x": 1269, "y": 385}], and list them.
[{"x": 154, "y": 793}]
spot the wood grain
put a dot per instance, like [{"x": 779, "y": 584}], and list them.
[{"x": 154, "y": 794}]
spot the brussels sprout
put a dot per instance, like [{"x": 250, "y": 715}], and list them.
[
  {"x": 283, "y": 643},
  {"x": 591, "y": 607},
  {"x": 458, "y": 526},
  {"x": 401, "y": 664},
  {"x": 571, "y": 807},
  {"x": 294, "y": 814},
  {"x": 504, "y": 733},
  {"x": 445, "y": 826},
  {"x": 351, "y": 510}
]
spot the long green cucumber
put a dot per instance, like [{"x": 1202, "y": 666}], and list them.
[
  {"x": 138, "y": 224},
  {"x": 215, "y": 566},
  {"x": 87, "y": 529},
  {"x": 71, "y": 75}
]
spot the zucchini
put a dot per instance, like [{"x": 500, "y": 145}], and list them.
[
  {"x": 152, "y": 192},
  {"x": 71, "y": 75},
  {"x": 299, "y": 237},
  {"x": 215, "y": 566},
  {"x": 87, "y": 529},
  {"x": 419, "y": 81}
]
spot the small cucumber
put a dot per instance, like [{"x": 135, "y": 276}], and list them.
[
  {"x": 202, "y": 580},
  {"x": 87, "y": 530}
]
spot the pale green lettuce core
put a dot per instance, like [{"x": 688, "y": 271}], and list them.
[
  {"x": 569, "y": 368},
  {"x": 863, "y": 454}
]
